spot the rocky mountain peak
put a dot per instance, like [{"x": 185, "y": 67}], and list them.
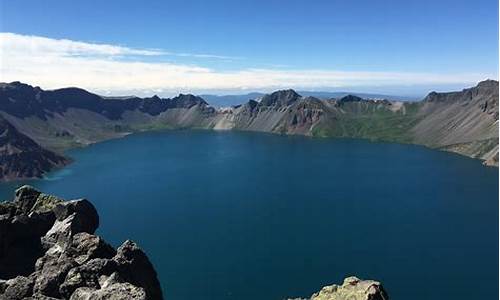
[
  {"x": 280, "y": 98},
  {"x": 252, "y": 104},
  {"x": 484, "y": 89},
  {"x": 15, "y": 85},
  {"x": 187, "y": 101},
  {"x": 488, "y": 83},
  {"x": 350, "y": 98}
]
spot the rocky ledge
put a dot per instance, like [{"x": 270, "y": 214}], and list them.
[
  {"x": 48, "y": 251},
  {"x": 352, "y": 289}
]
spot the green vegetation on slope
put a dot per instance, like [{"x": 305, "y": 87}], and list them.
[{"x": 379, "y": 124}]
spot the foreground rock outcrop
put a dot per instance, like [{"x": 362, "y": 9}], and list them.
[
  {"x": 352, "y": 289},
  {"x": 48, "y": 250}
]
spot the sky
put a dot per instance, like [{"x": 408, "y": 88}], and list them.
[{"x": 226, "y": 46}]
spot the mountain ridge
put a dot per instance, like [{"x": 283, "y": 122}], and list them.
[
  {"x": 464, "y": 122},
  {"x": 220, "y": 101}
]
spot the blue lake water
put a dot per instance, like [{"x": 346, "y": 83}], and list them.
[{"x": 229, "y": 215}]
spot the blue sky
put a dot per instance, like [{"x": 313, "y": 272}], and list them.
[{"x": 451, "y": 43}]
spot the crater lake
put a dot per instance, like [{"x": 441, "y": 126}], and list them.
[{"x": 232, "y": 215}]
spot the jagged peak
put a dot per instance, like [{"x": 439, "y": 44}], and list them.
[
  {"x": 252, "y": 103},
  {"x": 188, "y": 100},
  {"x": 488, "y": 83},
  {"x": 485, "y": 86},
  {"x": 16, "y": 85},
  {"x": 350, "y": 98},
  {"x": 188, "y": 96},
  {"x": 291, "y": 92},
  {"x": 280, "y": 98}
]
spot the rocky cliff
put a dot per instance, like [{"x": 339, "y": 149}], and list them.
[
  {"x": 48, "y": 250},
  {"x": 465, "y": 122},
  {"x": 21, "y": 157},
  {"x": 72, "y": 117}
]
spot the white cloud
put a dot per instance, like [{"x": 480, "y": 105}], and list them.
[
  {"x": 54, "y": 63},
  {"x": 45, "y": 46}
]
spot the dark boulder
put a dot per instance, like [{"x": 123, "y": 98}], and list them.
[
  {"x": 86, "y": 217},
  {"x": 25, "y": 198},
  {"x": 51, "y": 274},
  {"x": 21, "y": 228},
  {"x": 48, "y": 251},
  {"x": 135, "y": 267},
  {"x": 18, "y": 288}
]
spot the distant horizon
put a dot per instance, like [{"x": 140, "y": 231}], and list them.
[
  {"x": 212, "y": 93},
  {"x": 226, "y": 47},
  {"x": 104, "y": 69}
]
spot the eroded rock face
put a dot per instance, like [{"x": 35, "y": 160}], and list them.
[
  {"x": 48, "y": 250},
  {"x": 22, "y": 157},
  {"x": 353, "y": 288}
]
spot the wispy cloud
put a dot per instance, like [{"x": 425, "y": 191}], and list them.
[
  {"x": 224, "y": 57},
  {"x": 52, "y": 63},
  {"x": 65, "y": 47}
]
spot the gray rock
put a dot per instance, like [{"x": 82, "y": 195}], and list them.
[
  {"x": 112, "y": 287},
  {"x": 86, "y": 217},
  {"x": 72, "y": 217},
  {"x": 118, "y": 291},
  {"x": 51, "y": 243},
  {"x": 353, "y": 288},
  {"x": 52, "y": 274},
  {"x": 87, "y": 275},
  {"x": 86, "y": 246},
  {"x": 20, "y": 233},
  {"x": 18, "y": 288},
  {"x": 135, "y": 267},
  {"x": 25, "y": 198},
  {"x": 40, "y": 297}
]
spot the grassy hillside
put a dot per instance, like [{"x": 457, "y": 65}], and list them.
[{"x": 371, "y": 121}]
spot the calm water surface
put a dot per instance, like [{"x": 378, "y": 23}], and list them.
[{"x": 253, "y": 216}]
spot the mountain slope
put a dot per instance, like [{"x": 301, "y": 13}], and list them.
[
  {"x": 72, "y": 117},
  {"x": 21, "y": 157},
  {"x": 465, "y": 122},
  {"x": 349, "y": 116}
]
